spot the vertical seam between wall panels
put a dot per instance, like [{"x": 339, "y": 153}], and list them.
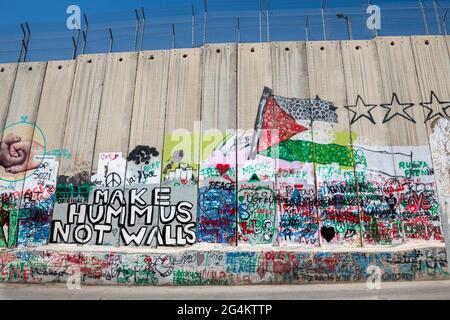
[
  {"x": 355, "y": 176},
  {"x": 274, "y": 157},
  {"x": 105, "y": 62},
  {"x": 28, "y": 157},
  {"x": 129, "y": 131},
  {"x": 163, "y": 151},
  {"x": 202, "y": 49},
  {"x": 419, "y": 86},
  {"x": 316, "y": 192},
  {"x": 7, "y": 107},
  {"x": 276, "y": 160},
  {"x": 314, "y": 173},
  {"x": 66, "y": 117},
  {"x": 378, "y": 62}
]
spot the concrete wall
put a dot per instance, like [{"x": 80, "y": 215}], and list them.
[
  {"x": 289, "y": 144},
  {"x": 224, "y": 267}
]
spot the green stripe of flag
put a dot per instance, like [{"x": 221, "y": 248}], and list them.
[{"x": 306, "y": 151}]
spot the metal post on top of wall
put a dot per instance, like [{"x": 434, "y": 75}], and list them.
[
  {"x": 143, "y": 29},
  {"x": 445, "y": 21},
  {"x": 322, "y": 11},
  {"x": 25, "y": 41},
  {"x": 306, "y": 28},
  {"x": 238, "y": 31},
  {"x": 74, "y": 43},
  {"x": 22, "y": 45},
  {"x": 348, "y": 23},
  {"x": 438, "y": 18},
  {"x": 424, "y": 16},
  {"x": 111, "y": 40},
  {"x": 267, "y": 20},
  {"x": 77, "y": 42},
  {"x": 173, "y": 36},
  {"x": 205, "y": 16},
  {"x": 28, "y": 36},
  {"x": 136, "y": 34},
  {"x": 260, "y": 20},
  {"x": 85, "y": 33},
  {"x": 193, "y": 25}
]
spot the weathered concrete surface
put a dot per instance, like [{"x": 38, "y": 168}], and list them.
[
  {"x": 102, "y": 104},
  {"x": 7, "y": 76},
  {"x": 418, "y": 290},
  {"x": 229, "y": 266},
  {"x": 83, "y": 113}
]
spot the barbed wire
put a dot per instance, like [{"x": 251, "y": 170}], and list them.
[{"x": 288, "y": 22}]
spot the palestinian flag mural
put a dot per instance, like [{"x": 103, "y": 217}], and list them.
[{"x": 280, "y": 120}]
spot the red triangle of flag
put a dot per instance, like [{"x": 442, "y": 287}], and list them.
[{"x": 277, "y": 126}]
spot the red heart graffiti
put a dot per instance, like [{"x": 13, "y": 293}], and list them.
[{"x": 222, "y": 168}]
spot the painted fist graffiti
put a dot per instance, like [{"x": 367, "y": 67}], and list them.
[{"x": 18, "y": 156}]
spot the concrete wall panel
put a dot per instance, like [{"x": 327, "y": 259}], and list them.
[
  {"x": 113, "y": 128},
  {"x": 74, "y": 174},
  {"x": 373, "y": 155},
  {"x": 50, "y": 125},
  {"x": 335, "y": 179},
  {"x": 182, "y": 143},
  {"x": 433, "y": 70},
  {"x": 296, "y": 223},
  {"x": 7, "y": 77},
  {"x": 83, "y": 115},
  {"x": 150, "y": 99},
  {"x": 409, "y": 138},
  {"x": 217, "y": 179},
  {"x": 257, "y": 221},
  {"x": 23, "y": 109}
]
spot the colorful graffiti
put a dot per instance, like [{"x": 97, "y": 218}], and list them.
[
  {"x": 295, "y": 180},
  {"x": 220, "y": 268}
]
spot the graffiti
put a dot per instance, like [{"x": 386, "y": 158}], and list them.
[
  {"x": 416, "y": 169},
  {"x": 361, "y": 110},
  {"x": 394, "y": 107},
  {"x": 60, "y": 153},
  {"x": 91, "y": 222},
  {"x": 275, "y": 126},
  {"x": 19, "y": 156},
  {"x": 20, "y": 152},
  {"x": 183, "y": 174},
  {"x": 231, "y": 268},
  {"x": 217, "y": 213},
  {"x": 440, "y": 146},
  {"x": 111, "y": 170},
  {"x": 308, "y": 109},
  {"x": 72, "y": 193},
  {"x": 297, "y": 218},
  {"x": 144, "y": 166},
  {"x": 295, "y": 182},
  {"x": 436, "y": 107},
  {"x": 257, "y": 205},
  {"x": 78, "y": 179},
  {"x": 142, "y": 154},
  {"x": 143, "y": 174}
]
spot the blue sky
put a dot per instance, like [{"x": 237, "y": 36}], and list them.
[{"x": 51, "y": 39}]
